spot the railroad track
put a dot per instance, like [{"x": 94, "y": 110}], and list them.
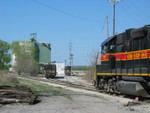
[
  {"x": 83, "y": 86},
  {"x": 64, "y": 83}
]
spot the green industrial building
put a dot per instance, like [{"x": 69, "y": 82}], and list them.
[{"x": 43, "y": 50}]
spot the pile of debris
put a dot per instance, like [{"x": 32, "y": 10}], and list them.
[{"x": 16, "y": 94}]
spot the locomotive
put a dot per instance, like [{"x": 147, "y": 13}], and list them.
[{"x": 125, "y": 63}]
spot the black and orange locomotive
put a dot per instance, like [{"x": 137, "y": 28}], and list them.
[{"x": 125, "y": 63}]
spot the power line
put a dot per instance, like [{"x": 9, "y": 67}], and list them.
[
  {"x": 65, "y": 13},
  {"x": 138, "y": 8},
  {"x": 107, "y": 27},
  {"x": 103, "y": 24},
  {"x": 131, "y": 14}
]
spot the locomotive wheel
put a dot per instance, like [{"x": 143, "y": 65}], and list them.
[
  {"x": 105, "y": 86},
  {"x": 46, "y": 76},
  {"x": 102, "y": 85}
]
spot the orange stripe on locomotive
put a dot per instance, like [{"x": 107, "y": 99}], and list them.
[{"x": 135, "y": 55}]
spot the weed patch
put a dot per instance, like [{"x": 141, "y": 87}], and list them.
[{"x": 7, "y": 79}]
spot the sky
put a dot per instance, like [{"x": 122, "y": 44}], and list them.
[{"x": 61, "y": 22}]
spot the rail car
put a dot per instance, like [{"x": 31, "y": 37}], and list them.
[
  {"x": 67, "y": 70},
  {"x": 50, "y": 70},
  {"x": 125, "y": 63}
]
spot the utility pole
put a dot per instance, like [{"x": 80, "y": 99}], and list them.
[
  {"x": 65, "y": 62},
  {"x": 107, "y": 28},
  {"x": 114, "y": 13},
  {"x": 71, "y": 56}
]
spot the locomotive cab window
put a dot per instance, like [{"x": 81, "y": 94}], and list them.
[
  {"x": 112, "y": 46},
  {"x": 120, "y": 48},
  {"x": 105, "y": 49}
]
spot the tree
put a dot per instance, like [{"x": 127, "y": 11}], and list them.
[
  {"x": 25, "y": 54},
  {"x": 93, "y": 59},
  {"x": 4, "y": 55}
]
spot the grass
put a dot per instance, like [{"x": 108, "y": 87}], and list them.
[
  {"x": 40, "y": 88},
  {"x": 81, "y": 68},
  {"x": 8, "y": 79},
  {"x": 68, "y": 97},
  {"x": 26, "y": 75}
]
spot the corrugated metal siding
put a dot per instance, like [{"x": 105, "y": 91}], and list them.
[{"x": 44, "y": 52}]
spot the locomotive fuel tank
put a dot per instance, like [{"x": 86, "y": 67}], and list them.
[{"x": 132, "y": 88}]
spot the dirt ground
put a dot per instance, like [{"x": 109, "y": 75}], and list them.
[{"x": 76, "y": 103}]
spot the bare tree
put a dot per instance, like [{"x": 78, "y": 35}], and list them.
[
  {"x": 93, "y": 59},
  {"x": 25, "y": 61}
]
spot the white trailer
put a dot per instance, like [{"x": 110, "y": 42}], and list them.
[{"x": 60, "y": 67}]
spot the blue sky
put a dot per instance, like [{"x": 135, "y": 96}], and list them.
[{"x": 60, "y": 22}]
